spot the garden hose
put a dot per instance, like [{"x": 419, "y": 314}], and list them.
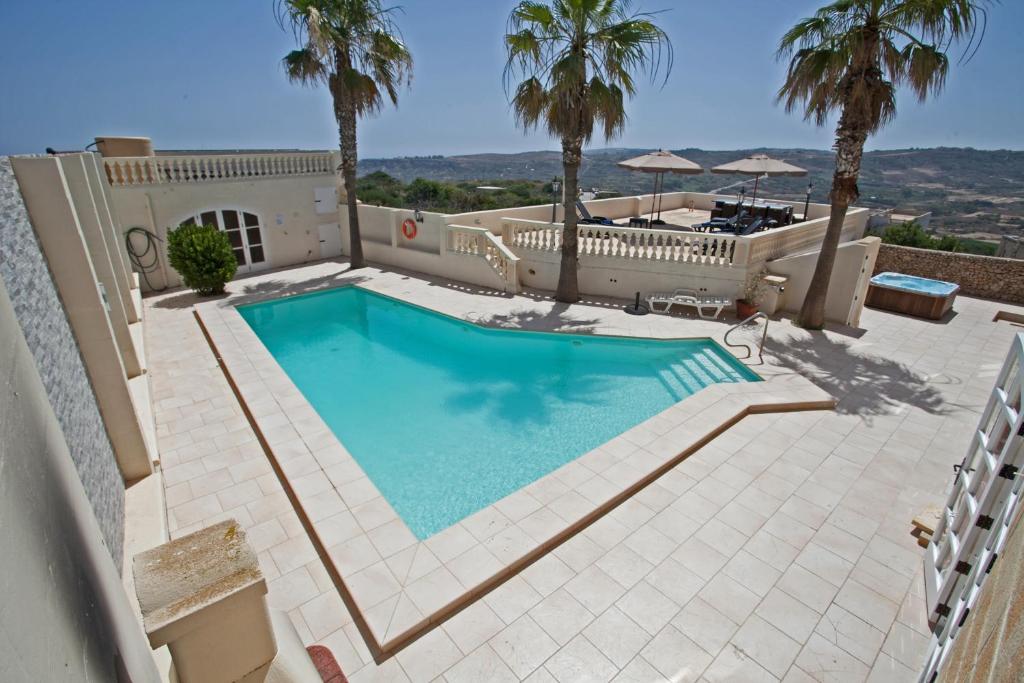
[{"x": 148, "y": 260}]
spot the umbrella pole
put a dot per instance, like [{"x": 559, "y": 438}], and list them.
[
  {"x": 754, "y": 200},
  {"x": 660, "y": 198},
  {"x": 654, "y": 194}
]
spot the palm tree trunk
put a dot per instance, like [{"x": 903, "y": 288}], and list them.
[
  {"x": 345, "y": 113},
  {"x": 347, "y": 133},
  {"x": 568, "y": 281},
  {"x": 850, "y": 139}
]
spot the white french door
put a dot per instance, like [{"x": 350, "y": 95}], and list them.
[
  {"x": 245, "y": 231},
  {"x": 978, "y": 513}
]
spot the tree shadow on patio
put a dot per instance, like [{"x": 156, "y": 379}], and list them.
[
  {"x": 242, "y": 292},
  {"x": 863, "y": 384},
  {"x": 556, "y": 319}
]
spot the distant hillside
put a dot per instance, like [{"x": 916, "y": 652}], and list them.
[{"x": 968, "y": 191}]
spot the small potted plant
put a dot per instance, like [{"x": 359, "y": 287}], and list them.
[{"x": 751, "y": 301}]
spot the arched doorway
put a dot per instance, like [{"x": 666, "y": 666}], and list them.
[{"x": 245, "y": 231}]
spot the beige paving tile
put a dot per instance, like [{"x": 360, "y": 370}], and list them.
[
  {"x": 639, "y": 670},
  {"x": 561, "y": 616},
  {"x": 648, "y": 607},
  {"x": 473, "y": 626},
  {"x": 825, "y": 661},
  {"x": 788, "y": 614},
  {"x": 580, "y": 661},
  {"x": 675, "y": 656},
  {"x": 595, "y": 589},
  {"x": 729, "y": 597},
  {"x": 677, "y": 583},
  {"x": 428, "y": 657},
  {"x": 624, "y": 565},
  {"x": 705, "y": 625},
  {"x": 867, "y": 604},
  {"x": 325, "y": 614},
  {"x": 700, "y": 558},
  {"x": 617, "y": 636},
  {"x": 732, "y": 664},
  {"x": 849, "y": 632},
  {"x": 512, "y": 599},
  {"x": 483, "y": 664},
  {"x": 547, "y": 574},
  {"x": 523, "y": 646},
  {"x": 754, "y": 574}
]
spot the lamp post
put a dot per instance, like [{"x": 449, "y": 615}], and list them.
[
  {"x": 556, "y": 186},
  {"x": 807, "y": 202}
]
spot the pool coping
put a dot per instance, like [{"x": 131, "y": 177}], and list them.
[{"x": 397, "y": 586}]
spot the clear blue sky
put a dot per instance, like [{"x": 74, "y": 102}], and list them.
[{"x": 206, "y": 74}]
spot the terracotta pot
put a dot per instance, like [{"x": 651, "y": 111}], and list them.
[{"x": 744, "y": 310}]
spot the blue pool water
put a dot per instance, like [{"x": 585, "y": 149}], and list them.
[
  {"x": 446, "y": 417},
  {"x": 910, "y": 283}
]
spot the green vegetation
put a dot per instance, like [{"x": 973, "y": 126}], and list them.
[
  {"x": 578, "y": 60},
  {"x": 980, "y": 247},
  {"x": 911, "y": 234},
  {"x": 203, "y": 257},
  {"x": 444, "y": 197},
  {"x": 849, "y": 58}
]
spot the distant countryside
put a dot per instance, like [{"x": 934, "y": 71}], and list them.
[{"x": 976, "y": 195}]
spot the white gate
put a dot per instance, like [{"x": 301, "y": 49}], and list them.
[{"x": 977, "y": 516}]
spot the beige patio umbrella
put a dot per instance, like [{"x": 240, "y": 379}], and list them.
[
  {"x": 759, "y": 165},
  {"x": 659, "y": 163}
]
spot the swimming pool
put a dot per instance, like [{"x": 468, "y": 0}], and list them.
[{"x": 446, "y": 417}]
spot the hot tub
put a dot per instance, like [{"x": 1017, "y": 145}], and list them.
[{"x": 917, "y": 296}]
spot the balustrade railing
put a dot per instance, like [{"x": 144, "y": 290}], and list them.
[
  {"x": 481, "y": 242},
  {"x": 130, "y": 171},
  {"x": 637, "y": 244}
]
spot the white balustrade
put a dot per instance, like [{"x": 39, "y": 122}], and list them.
[
  {"x": 130, "y": 171},
  {"x": 634, "y": 244},
  {"x": 481, "y": 242}
]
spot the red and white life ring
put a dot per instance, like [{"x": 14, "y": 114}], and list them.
[{"x": 409, "y": 228}]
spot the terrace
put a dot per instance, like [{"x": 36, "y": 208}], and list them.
[
  {"x": 780, "y": 549},
  {"x": 752, "y": 531}
]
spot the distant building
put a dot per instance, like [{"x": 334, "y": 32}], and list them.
[{"x": 1011, "y": 247}]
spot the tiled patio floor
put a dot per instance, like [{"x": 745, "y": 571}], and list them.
[{"x": 779, "y": 551}]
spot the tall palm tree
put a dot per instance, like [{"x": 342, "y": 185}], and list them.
[
  {"x": 356, "y": 50},
  {"x": 850, "y": 57},
  {"x": 577, "y": 59}
]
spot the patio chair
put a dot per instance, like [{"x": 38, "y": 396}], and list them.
[
  {"x": 585, "y": 216},
  {"x": 689, "y": 297},
  {"x": 754, "y": 226}
]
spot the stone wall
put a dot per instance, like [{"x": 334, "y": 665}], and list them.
[
  {"x": 37, "y": 306},
  {"x": 987, "y": 277}
]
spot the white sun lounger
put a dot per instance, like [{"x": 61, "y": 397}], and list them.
[{"x": 688, "y": 297}]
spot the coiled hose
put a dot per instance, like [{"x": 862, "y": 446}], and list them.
[{"x": 148, "y": 260}]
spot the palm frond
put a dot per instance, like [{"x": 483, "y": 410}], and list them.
[
  {"x": 572, "y": 63},
  {"x": 305, "y": 67}
]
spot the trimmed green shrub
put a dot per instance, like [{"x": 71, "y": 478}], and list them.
[{"x": 203, "y": 257}]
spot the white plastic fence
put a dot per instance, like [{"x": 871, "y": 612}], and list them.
[{"x": 976, "y": 518}]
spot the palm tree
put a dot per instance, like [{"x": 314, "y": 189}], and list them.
[
  {"x": 356, "y": 50},
  {"x": 577, "y": 59},
  {"x": 850, "y": 57}
]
